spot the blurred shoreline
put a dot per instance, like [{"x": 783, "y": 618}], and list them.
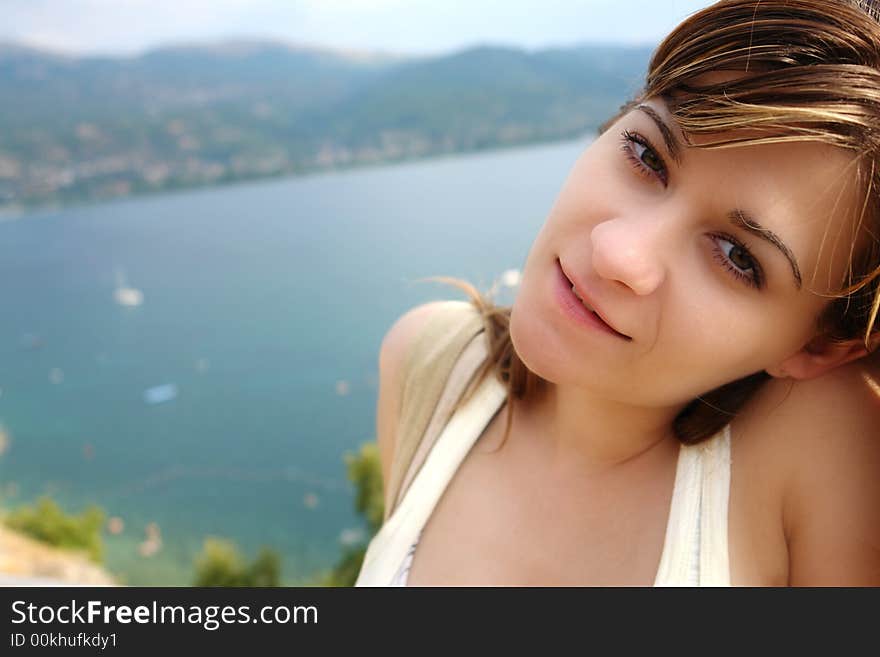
[{"x": 12, "y": 212}]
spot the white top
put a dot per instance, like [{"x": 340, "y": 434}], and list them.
[{"x": 695, "y": 549}]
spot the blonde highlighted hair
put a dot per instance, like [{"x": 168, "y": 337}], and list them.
[{"x": 806, "y": 70}]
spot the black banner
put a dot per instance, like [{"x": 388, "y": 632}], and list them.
[{"x": 128, "y": 620}]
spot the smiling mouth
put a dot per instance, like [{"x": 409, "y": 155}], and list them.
[{"x": 588, "y": 307}]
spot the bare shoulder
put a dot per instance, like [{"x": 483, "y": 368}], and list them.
[
  {"x": 392, "y": 352},
  {"x": 817, "y": 443},
  {"x": 834, "y": 412},
  {"x": 402, "y": 332}
]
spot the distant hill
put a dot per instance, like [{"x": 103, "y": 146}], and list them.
[{"x": 85, "y": 128}]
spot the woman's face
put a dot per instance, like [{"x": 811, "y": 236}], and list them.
[{"x": 710, "y": 264}]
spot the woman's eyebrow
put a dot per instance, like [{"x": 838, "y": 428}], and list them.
[
  {"x": 743, "y": 220},
  {"x": 672, "y": 144}
]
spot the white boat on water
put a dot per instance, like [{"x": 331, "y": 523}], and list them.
[
  {"x": 160, "y": 394},
  {"x": 125, "y": 295}
]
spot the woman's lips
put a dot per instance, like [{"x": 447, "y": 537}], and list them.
[{"x": 576, "y": 309}]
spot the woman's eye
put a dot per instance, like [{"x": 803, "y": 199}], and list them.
[
  {"x": 648, "y": 156},
  {"x": 643, "y": 156},
  {"x": 738, "y": 261}
]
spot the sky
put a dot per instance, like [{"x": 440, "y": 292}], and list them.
[{"x": 396, "y": 26}]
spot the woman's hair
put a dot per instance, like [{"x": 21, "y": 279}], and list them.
[{"x": 808, "y": 70}]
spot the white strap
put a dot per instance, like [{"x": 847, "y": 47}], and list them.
[
  {"x": 682, "y": 526},
  {"x": 714, "y": 558},
  {"x": 389, "y": 546},
  {"x": 695, "y": 549},
  {"x": 462, "y": 372}
]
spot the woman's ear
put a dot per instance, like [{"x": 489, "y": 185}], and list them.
[{"x": 819, "y": 356}]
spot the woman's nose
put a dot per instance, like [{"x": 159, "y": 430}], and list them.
[{"x": 630, "y": 252}]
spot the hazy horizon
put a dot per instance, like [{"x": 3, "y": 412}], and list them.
[
  {"x": 124, "y": 28},
  {"x": 239, "y": 41}
]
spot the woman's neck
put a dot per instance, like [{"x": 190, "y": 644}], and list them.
[{"x": 591, "y": 433}]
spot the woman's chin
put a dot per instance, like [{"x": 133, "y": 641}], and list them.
[{"x": 534, "y": 348}]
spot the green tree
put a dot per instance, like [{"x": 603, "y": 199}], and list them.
[
  {"x": 365, "y": 473},
  {"x": 46, "y": 522},
  {"x": 265, "y": 570},
  {"x": 220, "y": 563}
]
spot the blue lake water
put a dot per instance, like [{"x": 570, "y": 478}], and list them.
[{"x": 223, "y": 404}]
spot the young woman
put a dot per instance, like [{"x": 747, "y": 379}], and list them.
[{"x": 683, "y": 367}]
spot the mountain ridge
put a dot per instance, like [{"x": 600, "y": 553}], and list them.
[{"x": 86, "y": 128}]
